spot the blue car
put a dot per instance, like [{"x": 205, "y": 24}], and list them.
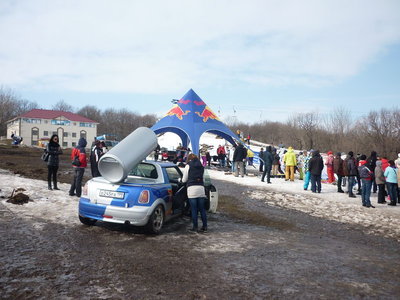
[{"x": 150, "y": 195}]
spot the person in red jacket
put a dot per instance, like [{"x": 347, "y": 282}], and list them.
[
  {"x": 79, "y": 163},
  {"x": 385, "y": 163},
  {"x": 221, "y": 155},
  {"x": 329, "y": 167}
]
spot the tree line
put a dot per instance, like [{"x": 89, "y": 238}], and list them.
[
  {"x": 117, "y": 122},
  {"x": 379, "y": 130}
]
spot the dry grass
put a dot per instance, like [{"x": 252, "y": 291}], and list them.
[{"x": 235, "y": 209}]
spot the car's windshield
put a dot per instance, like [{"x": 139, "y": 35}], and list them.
[{"x": 144, "y": 170}]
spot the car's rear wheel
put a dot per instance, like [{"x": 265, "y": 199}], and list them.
[
  {"x": 87, "y": 221},
  {"x": 156, "y": 220}
]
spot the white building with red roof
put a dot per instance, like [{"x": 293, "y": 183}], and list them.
[{"x": 38, "y": 125}]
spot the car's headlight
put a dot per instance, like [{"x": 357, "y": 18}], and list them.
[{"x": 85, "y": 189}]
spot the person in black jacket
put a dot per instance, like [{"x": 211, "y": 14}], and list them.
[
  {"x": 352, "y": 172},
  {"x": 315, "y": 166},
  {"x": 239, "y": 157},
  {"x": 193, "y": 176},
  {"x": 267, "y": 158},
  {"x": 95, "y": 154},
  {"x": 371, "y": 164},
  {"x": 54, "y": 150},
  {"x": 260, "y": 155}
]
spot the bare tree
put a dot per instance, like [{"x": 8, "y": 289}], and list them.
[
  {"x": 63, "y": 106},
  {"x": 90, "y": 112},
  {"x": 11, "y": 106}
]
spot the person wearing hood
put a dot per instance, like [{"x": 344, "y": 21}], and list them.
[
  {"x": 250, "y": 157},
  {"x": 329, "y": 167},
  {"x": 193, "y": 177},
  {"x": 54, "y": 150},
  {"x": 239, "y": 158},
  {"x": 391, "y": 182},
  {"x": 267, "y": 158},
  {"x": 366, "y": 176},
  {"x": 79, "y": 163},
  {"x": 290, "y": 162},
  {"x": 315, "y": 166},
  {"x": 380, "y": 182},
  {"x": 338, "y": 169},
  {"x": 350, "y": 167}
]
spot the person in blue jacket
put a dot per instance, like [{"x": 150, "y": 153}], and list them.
[{"x": 391, "y": 182}]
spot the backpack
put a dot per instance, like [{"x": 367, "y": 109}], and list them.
[{"x": 76, "y": 162}]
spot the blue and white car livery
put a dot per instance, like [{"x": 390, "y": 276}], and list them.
[{"x": 150, "y": 195}]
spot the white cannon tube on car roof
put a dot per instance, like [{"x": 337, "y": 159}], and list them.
[{"x": 116, "y": 164}]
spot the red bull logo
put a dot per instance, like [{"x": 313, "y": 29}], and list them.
[
  {"x": 184, "y": 101},
  {"x": 206, "y": 114},
  {"x": 177, "y": 112},
  {"x": 198, "y": 103}
]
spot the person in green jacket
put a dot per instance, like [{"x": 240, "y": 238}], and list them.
[{"x": 290, "y": 162}]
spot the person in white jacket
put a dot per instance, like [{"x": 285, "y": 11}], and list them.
[{"x": 193, "y": 177}]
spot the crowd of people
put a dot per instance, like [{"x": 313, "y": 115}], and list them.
[{"x": 373, "y": 173}]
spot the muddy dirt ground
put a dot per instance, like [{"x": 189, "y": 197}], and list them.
[{"x": 252, "y": 251}]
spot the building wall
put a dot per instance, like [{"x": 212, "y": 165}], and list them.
[{"x": 34, "y": 130}]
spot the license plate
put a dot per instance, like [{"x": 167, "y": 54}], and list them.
[{"x": 111, "y": 194}]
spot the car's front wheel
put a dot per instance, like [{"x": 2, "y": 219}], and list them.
[
  {"x": 87, "y": 221},
  {"x": 156, "y": 220}
]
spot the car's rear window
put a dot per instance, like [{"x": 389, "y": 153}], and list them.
[{"x": 144, "y": 170}]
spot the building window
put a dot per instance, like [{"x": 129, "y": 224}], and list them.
[
  {"x": 34, "y": 136},
  {"x": 32, "y": 121},
  {"x": 61, "y": 122},
  {"x": 45, "y": 133},
  {"x": 45, "y": 121},
  {"x": 65, "y": 144},
  {"x": 73, "y": 144},
  {"x": 82, "y": 124},
  {"x": 65, "y": 134},
  {"x": 74, "y": 134},
  {"x": 55, "y": 132}
]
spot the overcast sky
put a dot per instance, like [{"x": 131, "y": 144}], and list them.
[{"x": 256, "y": 60}]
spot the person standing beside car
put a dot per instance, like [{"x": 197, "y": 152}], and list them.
[
  {"x": 95, "y": 154},
  {"x": 193, "y": 177},
  {"x": 79, "y": 163},
  {"x": 53, "y": 149}
]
